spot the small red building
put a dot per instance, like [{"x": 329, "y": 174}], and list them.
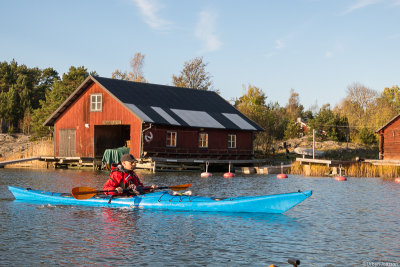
[
  {"x": 154, "y": 120},
  {"x": 389, "y": 140}
]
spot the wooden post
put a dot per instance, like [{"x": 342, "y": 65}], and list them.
[{"x": 313, "y": 143}]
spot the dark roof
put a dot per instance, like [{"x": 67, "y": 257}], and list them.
[{"x": 167, "y": 105}]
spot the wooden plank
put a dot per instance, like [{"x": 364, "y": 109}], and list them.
[{"x": 3, "y": 163}]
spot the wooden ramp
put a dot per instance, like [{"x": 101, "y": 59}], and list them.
[{"x": 3, "y": 163}]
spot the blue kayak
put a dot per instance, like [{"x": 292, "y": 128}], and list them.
[{"x": 164, "y": 201}]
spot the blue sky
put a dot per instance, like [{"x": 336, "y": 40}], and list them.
[{"x": 316, "y": 47}]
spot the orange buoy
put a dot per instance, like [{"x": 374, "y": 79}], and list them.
[
  {"x": 281, "y": 176},
  {"x": 229, "y": 175},
  {"x": 397, "y": 180},
  {"x": 340, "y": 178}
]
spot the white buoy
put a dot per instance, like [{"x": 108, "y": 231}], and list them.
[{"x": 206, "y": 173}]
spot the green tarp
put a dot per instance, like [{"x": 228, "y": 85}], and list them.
[{"x": 113, "y": 155}]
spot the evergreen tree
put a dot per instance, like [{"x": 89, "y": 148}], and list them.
[{"x": 60, "y": 91}]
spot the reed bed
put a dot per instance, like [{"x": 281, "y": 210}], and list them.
[
  {"x": 309, "y": 169},
  {"x": 369, "y": 170},
  {"x": 296, "y": 168},
  {"x": 361, "y": 169}
]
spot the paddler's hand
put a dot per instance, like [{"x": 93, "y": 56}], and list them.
[
  {"x": 119, "y": 190},
  {"x": 132, "y": 190},
  {"x": 152, "y": 187}
]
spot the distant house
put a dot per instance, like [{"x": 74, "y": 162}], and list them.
[
  {"x": 153, "y": 120},
  {"x": 389, "y": 140},
  {"x": 303, "y": 125}
]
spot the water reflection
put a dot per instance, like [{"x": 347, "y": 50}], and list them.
[{"x": 343, "y": 224}]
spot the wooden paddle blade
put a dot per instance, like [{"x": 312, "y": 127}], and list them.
[
  {"x": 180, "y": 187},
  {"x": 83, "y": 192}
]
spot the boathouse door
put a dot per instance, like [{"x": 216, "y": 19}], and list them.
[
  {"x": 67, "y": 143},
  {"x": 110, "y": 137}
]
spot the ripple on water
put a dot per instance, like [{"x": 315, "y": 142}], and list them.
[{"x": 342, "y": 224}]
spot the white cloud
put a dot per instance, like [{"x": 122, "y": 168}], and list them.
[
  {"x": 394, "y": 36},
  {"x": 396, "y": 3},
  {"x": 279, "y": 44},
  {"x": 149, "y": 10},
  {"x": 205, "y": 31},
  {"x": 329, "y": 54},
  {"x": 360, "y": 4}
]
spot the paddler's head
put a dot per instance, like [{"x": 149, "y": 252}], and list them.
[{"x": 128, "y": 161}]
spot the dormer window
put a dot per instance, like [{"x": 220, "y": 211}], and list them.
[{"x": 96, "y": 102}]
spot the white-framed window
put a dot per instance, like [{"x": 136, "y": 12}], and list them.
[
  {"x": 96, "y": 102},
  {"x": 171, "y": 138},
  {"x": 231, "y": 140},
  {"x": 203, "y": 139}
]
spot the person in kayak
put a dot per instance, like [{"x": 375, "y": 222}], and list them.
[{"x": 122, "y": 177}]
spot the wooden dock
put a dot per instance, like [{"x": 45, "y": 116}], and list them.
[
  {"x": 151, "y": 164},
  {"x": 327, "y": 162},
  {"x": 59, "y": 162},
  {"x": 3, "y": 163}
]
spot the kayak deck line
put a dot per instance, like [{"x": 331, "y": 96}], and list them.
[{"x": 277, "y": 203}]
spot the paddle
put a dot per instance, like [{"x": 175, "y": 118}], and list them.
[{"x": 88, "y": 192}]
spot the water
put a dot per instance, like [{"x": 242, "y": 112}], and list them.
[{"x": 348, "y": 223}]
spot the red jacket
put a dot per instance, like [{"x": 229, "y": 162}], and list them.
[{"x": 120, "y": 177}]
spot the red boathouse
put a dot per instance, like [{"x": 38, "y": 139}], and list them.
[
  {"x": 156, "y": 122},
  {"x": 389, "y": 140}
]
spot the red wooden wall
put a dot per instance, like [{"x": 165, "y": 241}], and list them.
[
  {"x": 389, "y": 145},
  {"x": 78, "y": 114},
  {"x": 187, "y": 143}
]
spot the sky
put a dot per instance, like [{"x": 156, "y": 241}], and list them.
[{"x": 318, "y": 48}]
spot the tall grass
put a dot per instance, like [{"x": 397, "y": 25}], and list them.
[
  {"x": 361, "y": 169},
  {"x": 369, "y": 170},
  {"x": 296, "y": 168},
  {"x": 310, "y": 169}
]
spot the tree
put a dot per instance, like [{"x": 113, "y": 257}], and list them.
[
  {"x": 294, "y": 109},
  {"x": 330, "y": 126},
  {"x": 268, "y": 116},
  {"x": 293, "y": 130},
  {"x": 367, "y": 136},
  {"x": 194, "y": 75},
  {"x": 60, "y": 91},
  {"x": 359, "y": 107},
  {"x": 12, "y": 110},
  {"x": 392, "y": 95},
  {"x": 30, "y": 84},
  {"x": 388, "y": 109},
  {"x": 136, "y": 74}
]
